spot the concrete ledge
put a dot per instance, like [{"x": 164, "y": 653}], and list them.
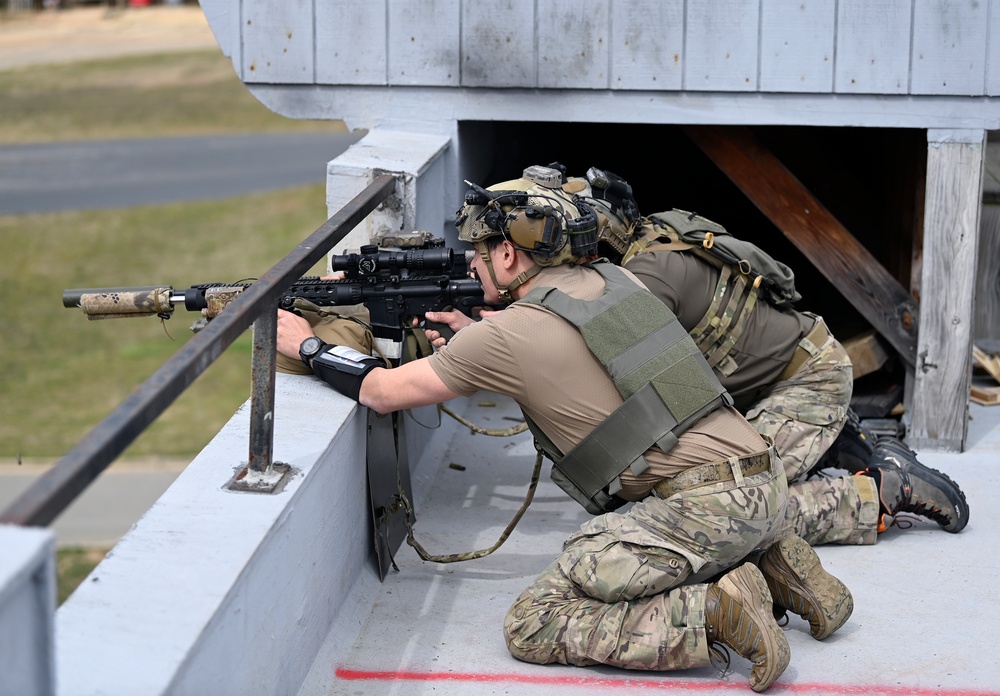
[
  {"x": 422, "y": 200},
  {"x": 27, "y": 605},
  {"x": 232, "y": 593}
]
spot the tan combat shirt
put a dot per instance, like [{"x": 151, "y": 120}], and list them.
[
  {"x": 543, "y": 363},
  {"x": 686, "y": 285}
]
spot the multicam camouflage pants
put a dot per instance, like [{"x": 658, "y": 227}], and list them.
[
  {"x": 803, "y": 415},
  {"x": 614, "y": 595}
]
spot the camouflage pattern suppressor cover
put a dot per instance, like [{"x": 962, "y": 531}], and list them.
[{"x": 126, "y": 303}]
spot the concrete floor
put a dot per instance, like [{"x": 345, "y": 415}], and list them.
[{"x": 925, "y": 619}]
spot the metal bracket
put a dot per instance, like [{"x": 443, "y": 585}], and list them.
[{"x": 271, "y": 480}]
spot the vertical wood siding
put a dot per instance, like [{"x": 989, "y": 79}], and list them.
[
  {"x": 278, "y": 42},
  {"x": 647, "y": 54},
  {"x": 796, "y": 46},
  {"x": 424, "y": 42},
  {"x": 993, "y": 50},
  {"x": 573, "y": 44},
  {"x": 898, "y": 47},
  {"x": 873, "y": 47},
  {"x": 350, "y": 43},
  {"x": 949, "y": 47},
  {"x": 721, "y": 45},
  {"x": 498, "y": 44}
]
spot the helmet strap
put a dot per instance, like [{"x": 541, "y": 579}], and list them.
[
  {"x": 521, "y": 279},
  {"x": 504, "y": 291}
]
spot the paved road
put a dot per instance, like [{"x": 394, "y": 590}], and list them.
[
  {"x": 107, "y": 509},
  {"x": 51, "y": 177}
]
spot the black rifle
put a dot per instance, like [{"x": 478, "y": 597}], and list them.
[{"x": 395, "y": 286}]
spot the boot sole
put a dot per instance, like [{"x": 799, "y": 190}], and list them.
[
  {"x": 799, "y": 583},
  {"x": 748, "y": 584}
]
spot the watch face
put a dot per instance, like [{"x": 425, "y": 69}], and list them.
[{"x": 310, "y": 346}]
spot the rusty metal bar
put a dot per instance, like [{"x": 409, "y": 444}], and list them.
[
  {"x": 265, "y": 334},
  {"x": 52, "y": 492}
]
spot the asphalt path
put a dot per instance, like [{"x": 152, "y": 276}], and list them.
[
  {"x": 99, "y": 174},
  {"x": 107, "y": 508}
]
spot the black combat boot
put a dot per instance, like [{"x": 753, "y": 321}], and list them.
[
  {"x": 851, "y": 450},
  {"x": 738, "y": 614},
  {"x": 906, "y": 485},
  {"x": 798, "y": 583}
]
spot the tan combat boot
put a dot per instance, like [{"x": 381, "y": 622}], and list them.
[
  {"x": 798, "y": 583},
  {"x": 738, "y": 615}
]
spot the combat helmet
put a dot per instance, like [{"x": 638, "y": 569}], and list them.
[
  {"x": 539, "y": 214},
  {"x": 618, "y": 218}
]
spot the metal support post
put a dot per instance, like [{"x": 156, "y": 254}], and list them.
[{"x": 262, "y": 474}]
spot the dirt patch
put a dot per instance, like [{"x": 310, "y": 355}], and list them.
[{"x": 88, "y": 33}]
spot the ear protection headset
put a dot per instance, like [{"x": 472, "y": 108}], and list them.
[{"x": 538, "y": 222}]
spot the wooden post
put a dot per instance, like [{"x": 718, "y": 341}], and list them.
[
  {"x": 987, "y": 326},
  {"x": 943, "y": 373},
  {"x": 988, "y": 285}
]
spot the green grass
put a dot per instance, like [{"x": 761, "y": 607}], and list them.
[
  {"x": 73, "y": 564},
  {"x": 135, "y": 97},
  {"x": 60, "y": 374}
]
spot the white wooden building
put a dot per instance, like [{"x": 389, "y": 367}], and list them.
[{"x": 857, "y": 129}]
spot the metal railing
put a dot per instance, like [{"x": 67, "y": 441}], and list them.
[{"x": 53, "y": 492}]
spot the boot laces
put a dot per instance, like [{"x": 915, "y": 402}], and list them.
[
  {"x": 718, "y": 655},
  {"x": 904, "y": 520},
  {"x": 922, "y": 509}
]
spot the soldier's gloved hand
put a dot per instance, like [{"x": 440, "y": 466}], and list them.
[{"x": 344, "y": 368}]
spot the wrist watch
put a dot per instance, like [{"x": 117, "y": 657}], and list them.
[{"x": 309, "y": 348}]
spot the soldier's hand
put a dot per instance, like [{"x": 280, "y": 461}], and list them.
[
  {"x": 292, "y": 330},
  {"x": 453, "y": 319}
]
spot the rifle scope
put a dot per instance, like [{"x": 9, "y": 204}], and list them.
[{"x": 372, "y": 261}]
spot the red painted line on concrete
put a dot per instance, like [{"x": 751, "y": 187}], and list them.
[{"x": 651, "y": 684}]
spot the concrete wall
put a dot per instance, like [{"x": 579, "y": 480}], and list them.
[
  {"x": 27, "y": 606},
  {"x": 423, "y": 175},
  {"x": 224, "y": 592},
  {"x": 197, "y": 598}
]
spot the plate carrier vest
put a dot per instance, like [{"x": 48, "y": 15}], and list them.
[{"x": 656, "y": 367}]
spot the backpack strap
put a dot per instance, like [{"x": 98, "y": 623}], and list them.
[{"x": 724, "y": 323}]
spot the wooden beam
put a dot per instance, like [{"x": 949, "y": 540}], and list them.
[
  {"x": 813, "y": 229},
  {"x": 866, "y": 352}
]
